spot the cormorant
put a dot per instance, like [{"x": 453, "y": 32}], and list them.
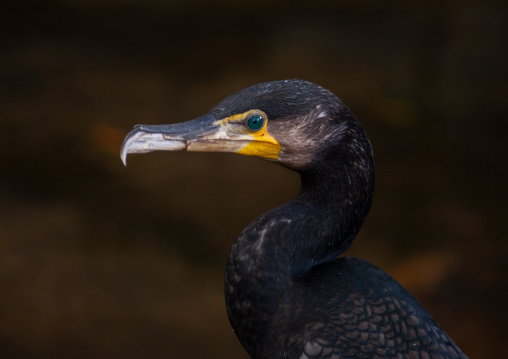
[{"x": 288, "y": 293}]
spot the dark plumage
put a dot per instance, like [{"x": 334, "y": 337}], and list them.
[{"x": 288, "y": 294}]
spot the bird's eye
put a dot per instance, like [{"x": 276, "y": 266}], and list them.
[{"x": 255, "y": 122}]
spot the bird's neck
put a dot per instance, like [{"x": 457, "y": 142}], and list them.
[{"x": 285, "y": 243}]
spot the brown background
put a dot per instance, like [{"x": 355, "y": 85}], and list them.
[{"x": 102, "y": 261}]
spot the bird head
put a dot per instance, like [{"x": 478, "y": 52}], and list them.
[{"x": 289, "y": 122}]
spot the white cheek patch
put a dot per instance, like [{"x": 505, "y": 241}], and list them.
[{"x": 305, "y": 134}]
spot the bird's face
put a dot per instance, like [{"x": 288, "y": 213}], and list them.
[{"x": 281, "y": 121}]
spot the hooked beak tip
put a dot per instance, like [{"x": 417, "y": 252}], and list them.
[
  {"x": 142, "y": 140},
  {"x": 123, "y": 157}
]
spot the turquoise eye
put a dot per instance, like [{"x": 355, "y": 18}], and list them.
[{"x": 255, "y": 122}]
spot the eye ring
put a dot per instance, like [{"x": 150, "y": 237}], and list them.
[{"x": 255, "y": 121}]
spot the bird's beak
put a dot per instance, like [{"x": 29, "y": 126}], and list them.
[{"x": 204, "y": 134}]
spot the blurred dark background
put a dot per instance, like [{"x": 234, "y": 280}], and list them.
[{"x": 102, "y": 261}]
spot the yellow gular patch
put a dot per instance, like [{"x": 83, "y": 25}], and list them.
[{"x": 260, "y": 142}]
